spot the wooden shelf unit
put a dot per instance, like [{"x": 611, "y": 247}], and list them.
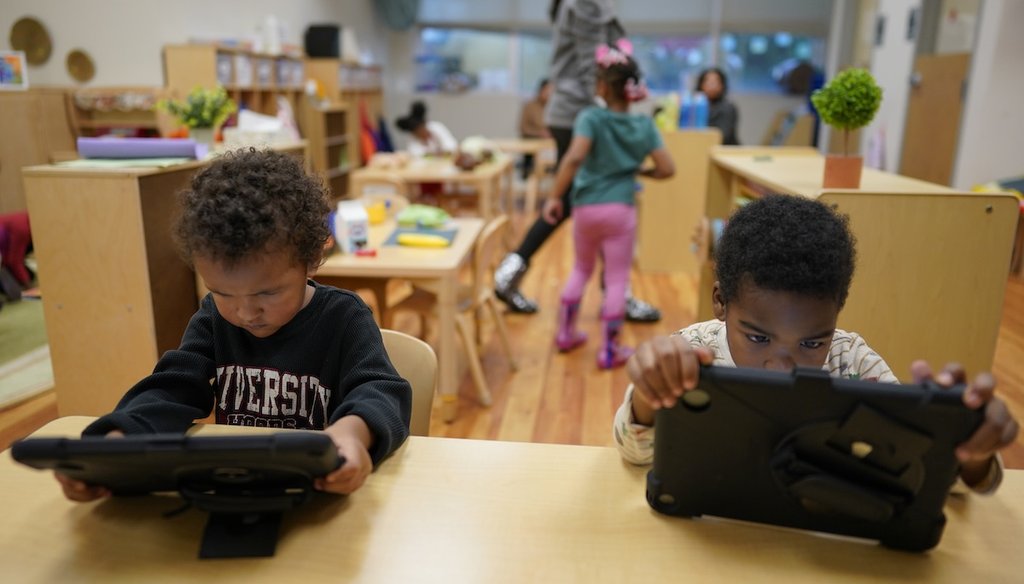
[
  {"x": 354, "y": 85},
  {"x": 253, "y": 80},
  {"x": 326, "y": 128}
]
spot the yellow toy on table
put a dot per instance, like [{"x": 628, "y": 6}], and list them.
[{"x": 422, "y": 240}]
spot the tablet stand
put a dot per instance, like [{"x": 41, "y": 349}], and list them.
[{"x": 244, "y": 521}]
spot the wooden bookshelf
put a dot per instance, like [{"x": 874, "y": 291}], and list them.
[
  {"x": 253, "y": 80},
  {"x": 354, "y": 85},
  {"x": 326, "y": 128}
]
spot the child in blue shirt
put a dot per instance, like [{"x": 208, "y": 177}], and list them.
[
  {"x": 609, "y": 144},
  {"x": 268, "y": 347}
]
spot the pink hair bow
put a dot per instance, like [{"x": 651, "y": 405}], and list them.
[{"x": 607, "y": 55}]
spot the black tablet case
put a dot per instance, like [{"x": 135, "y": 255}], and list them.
[
  {"x": 145, "y": 463},
  {"x": 804, "y": 450}
]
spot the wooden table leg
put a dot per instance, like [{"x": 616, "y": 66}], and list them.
[
  {"x": 486, "y": 203},
  {"x": 448, "y": 386}
]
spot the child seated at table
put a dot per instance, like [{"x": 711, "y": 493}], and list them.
[
  {"x": 269, "y": 346},
  {"x": 784, "y": 266}
]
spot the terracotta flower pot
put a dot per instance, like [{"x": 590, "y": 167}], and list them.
[{"x": 843, "y": 172}]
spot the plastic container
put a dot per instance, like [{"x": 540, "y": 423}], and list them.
[
  {"x": 685, "y": 111},
  {"x": 700, "y": 111}
]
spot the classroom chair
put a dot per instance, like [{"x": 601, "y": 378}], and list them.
[
  {"x": 416, "y": 361},
  {"x": 472, "y": 299}
]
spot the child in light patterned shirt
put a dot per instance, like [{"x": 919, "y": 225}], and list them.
[{"x": 784, "y": 266}]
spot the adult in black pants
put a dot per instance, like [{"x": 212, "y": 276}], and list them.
[{"x": 579, "y": 27}]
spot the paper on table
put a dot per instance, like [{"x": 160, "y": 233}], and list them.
[{"x": 122, "y": 162}]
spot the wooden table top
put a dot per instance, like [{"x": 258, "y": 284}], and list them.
[
  {"x": 801, "y": 174},
  {"x": 450, "y": 510},
  {"x": 402, "y": 261},
  {"x": 524, "y": 145},
  {"x": 138, "y": 171},
  {"x": 435, "y": 169}
]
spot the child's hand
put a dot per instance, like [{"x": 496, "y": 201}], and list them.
[
  {"x": 661, "y": 370},
  {"x": 997, "y": 431},
  {"x": 80, "y": 491},
  {"x": 351, "y": 436},
  {"x": 553, "y": 210}
]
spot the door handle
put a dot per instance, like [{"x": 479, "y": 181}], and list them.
[{"x": 915, "y": 79}]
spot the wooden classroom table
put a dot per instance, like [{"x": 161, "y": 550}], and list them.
[
  {"x": 116, "y": 294},
  {"x": 441, "y": 265},
  {"x": 932, "y": 262},
  {"x": 486, "y": 178},
  {"x": 535, "y": 147},
  {"x": 451, "y": 510}
]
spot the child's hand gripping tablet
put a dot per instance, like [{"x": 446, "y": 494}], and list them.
[
  {"x": 661, "y": 371},
  {"x": 997, "y": 431},
  {"x": 81, "y": 491},
  {"x": 352, "y": 437}
]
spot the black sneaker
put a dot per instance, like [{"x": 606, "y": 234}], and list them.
[{"x": 640, "y": 311}]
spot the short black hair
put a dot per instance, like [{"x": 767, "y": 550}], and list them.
[
  {"x": 252, "y": 201},
  {"x": 721, "y": 75},
  {"x": 789, "y": 244},
  {"x": 416, "y": 117}
]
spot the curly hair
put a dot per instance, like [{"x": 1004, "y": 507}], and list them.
[
  {"x": 251, "y": 201},
  {"x": 787, "y": 243}
]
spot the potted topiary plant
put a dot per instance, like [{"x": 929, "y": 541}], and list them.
[{"x": 848, "y": 102}]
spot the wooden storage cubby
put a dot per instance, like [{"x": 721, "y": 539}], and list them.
[
  {"x": 326, "y": 128},
  {"x": 254, "y": 81},
  {"x": 354, "y": 85}
]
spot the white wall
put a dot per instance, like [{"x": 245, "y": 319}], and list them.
[
  {"x": 892, "y": 64},
  {"x": 125, "y": 37},
  {"x": 992, "y": 127}
]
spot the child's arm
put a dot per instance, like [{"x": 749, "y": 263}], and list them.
[
  {"x": 663, "y": 166},
  {"x": 661, "y": 370},
  {"x": 372, "y": 418},
  {"x": 567, "y": 168},
  {"x": 979, "y": 466}
]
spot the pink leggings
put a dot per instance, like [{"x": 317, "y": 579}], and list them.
[{"x": 608, "y": 230}]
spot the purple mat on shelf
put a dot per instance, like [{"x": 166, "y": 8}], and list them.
[{"x": 140, "y": 148}]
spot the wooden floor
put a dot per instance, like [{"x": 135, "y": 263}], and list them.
[{"x": 566, "y": 398}]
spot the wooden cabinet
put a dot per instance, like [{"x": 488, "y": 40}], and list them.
[
  {"x": 35, "y": 131},
  {"x": 358, "y": 87},
  {"x": 116, "y": 292},
  {"x": 669, "y": 210},
  {"x": 254, "y": 80},
  {"x": 326, "y": 128}
]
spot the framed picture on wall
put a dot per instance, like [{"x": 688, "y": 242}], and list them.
[{"x": 13, "y": 71}]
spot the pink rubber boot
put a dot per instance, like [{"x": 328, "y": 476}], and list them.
[
  {"x": 568, "y": 338},
  {"x": 611, "y": 353}
]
